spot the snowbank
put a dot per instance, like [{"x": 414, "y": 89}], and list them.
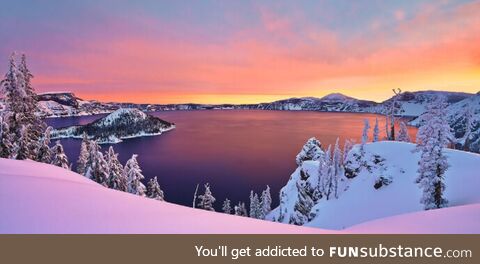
[{"x": 40, "y": 198}]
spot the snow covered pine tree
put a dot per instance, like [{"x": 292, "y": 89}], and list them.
[
  {"x": 432, "y": 137},
  {"x": 59, "y": 157},
  {"x": 154, "y": 191},
  {"x": 206, "y": 199},
  {"x": 226, "y": 207}
]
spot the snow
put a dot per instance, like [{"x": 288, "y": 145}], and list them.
[
  {"x": 360, "y": 201},
  {"x": 451, "y": 220},
  {"x": 41, "y": 198}
]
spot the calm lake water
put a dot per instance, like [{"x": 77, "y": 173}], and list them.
[{"x": 234, "y": 150}]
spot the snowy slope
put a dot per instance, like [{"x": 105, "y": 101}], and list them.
[
  {"x": 463, "y": 219},
  {"x": 456, "y": 116},
  {"x": 414, "y": 103},
  {"x": 359, "y": 201},
  {"x": 40, "y": 198}
]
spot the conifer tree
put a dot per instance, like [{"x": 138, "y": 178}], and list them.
[
  {"x": 366, "y": 128},
  {"x": 336, "y": 167},
  {"x": 44, "y": 154},
  {"x": 254, "y": 206},
  {"x": 346, "y": 148},
  {"x": 84, "y": 157},
  {"x": 312, "y": 150},
  {"x": 134, "y": 175},
  {"x": 59, "y": 157},
  {"x": 376, "y": 131},
  {"x": 206, "y": 199},
  {"x": 98, "y": 166},
  {"x": 241, "y": 209},
  {"x": 25, "y": 127},
  {"x": 432, "y": 137},
  {"x": 266, "y": 201},
  {"x": 6, "y": 145},
  {"x": 403, "y": 133},
  {"x": 226, "y": 207},
  {"x": 153, "y": 190},
  {"x": 116, "y": 178}
]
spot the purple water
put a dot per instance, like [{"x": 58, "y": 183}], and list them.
[{"x": 234, "y": 150}]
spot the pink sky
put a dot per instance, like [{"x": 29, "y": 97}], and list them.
[{"x": 263, "y": 52}]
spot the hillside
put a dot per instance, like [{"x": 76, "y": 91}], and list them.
[
  {"x": 458, "y": 115},
  {"x": 121, "y": 124},
  {"x": 41, "y": 198},
  {"x": 362, "y": 199}
]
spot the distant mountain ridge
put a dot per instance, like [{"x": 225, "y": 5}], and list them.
[{"x": 411, "y": 104}]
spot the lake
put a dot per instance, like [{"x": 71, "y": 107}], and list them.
[{"x": 234, "y": 150}]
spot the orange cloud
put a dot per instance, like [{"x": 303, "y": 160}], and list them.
[{"x": 431, "y": 50}]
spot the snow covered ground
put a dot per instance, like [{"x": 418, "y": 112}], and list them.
[
  {"x": 41, "y": 198},
  {"x": 360, "y": 202}
]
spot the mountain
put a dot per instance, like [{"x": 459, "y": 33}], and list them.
[
  {"x": 330, "y": 103},
  {"x": 412, "y": 104},
  {"x": 121, "y": 124},
  {"x": 457, "y": 117},
  {"x": 380, "y": 185}
]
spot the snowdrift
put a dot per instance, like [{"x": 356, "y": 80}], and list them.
[{"x": 40, "y": 198}]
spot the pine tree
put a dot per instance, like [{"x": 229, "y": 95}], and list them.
[
  {"x": 376, "y": 131},
  {"x": 37, "y": 126},
  {"x": 206, "y": 199},
  {"x": 266, "y": 201},
  {"x": 366, "y": 127},
  {"x": 134, "y": 175},
  {"x": 336, "y": 167},
  {"x": 21, "y": 149},
  {"x": 44, "y": 154},
  {"x": 327, "y": 176},
  {"x": 153, "y": 190},
  {"x": 346, "y": 148},
  {"x": 98, "y": 166},
  {"x": 116, "y": 178},
  {"x": 25, "y": 127},
  {"x": 59, "y": 157},
  {"x": 254, "y": 206},
  {"x": 226, "y": 207},
  {"x": 469, "y": 127},
  {"x": 432, "y": 137},
  {"x": 6, "y": 145},
  {"x": 84, "y": 157},
  {"x": 302, "y": 209},
  {"x": 403, "y": 133},
  {"x": 312, "y": 150},
  {"x": 240, "y": 209}
]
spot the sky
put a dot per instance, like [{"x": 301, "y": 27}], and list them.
[{"x": 221, "y": 51}]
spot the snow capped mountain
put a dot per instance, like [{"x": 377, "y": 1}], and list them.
[
  {"x": 380, "y": 184},
  {"x": 330, "y": 103},
  {"x": 414, "y": 104},
  {"x": 336, "y": 97},
  {"x": 121, "y": 124},
  {"x": 49, "y": 199}
]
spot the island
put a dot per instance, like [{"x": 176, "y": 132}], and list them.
[{"x": 121, "y": 124}]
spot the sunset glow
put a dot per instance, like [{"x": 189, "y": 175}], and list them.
[{"x": 244, "y": 51}]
